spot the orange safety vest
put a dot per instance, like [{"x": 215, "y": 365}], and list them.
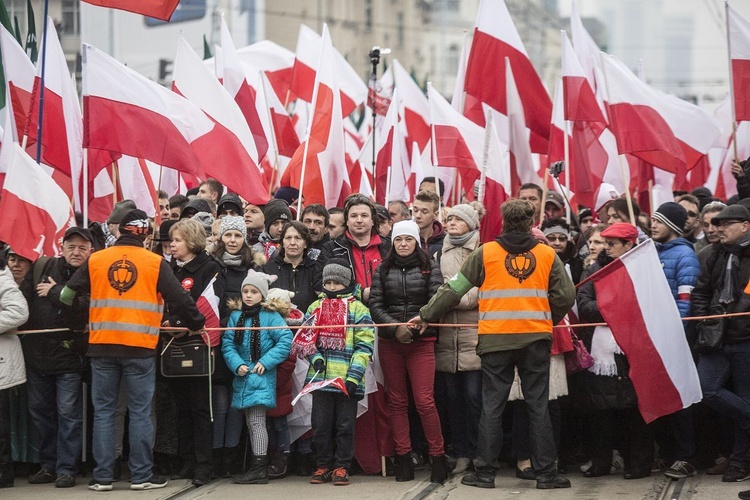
[
  {"x": 513, "y": 297},
  {"x": 126, "y": 308}
]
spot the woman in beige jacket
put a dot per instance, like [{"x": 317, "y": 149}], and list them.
[{"x": 459, "y": 374}]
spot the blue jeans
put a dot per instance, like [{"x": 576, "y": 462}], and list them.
[
  {"x": 55, "y": 407},
  {"x": 715, "y": 370},
  {"x": 138, "y": 375},
  {"x": 463, "y": 393}
]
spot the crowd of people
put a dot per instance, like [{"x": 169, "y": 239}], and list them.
[{"x": 450, "y": 342}]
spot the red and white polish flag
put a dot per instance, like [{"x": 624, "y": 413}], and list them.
[
  {"x": 337, "y": 382},
  {"x": 497, "y": 183},
  {"x": 522, "y": 168},
  {"x": 236, "y": 162},
  {"x": 19, "y": 75},
  {"x": 391, "y": 174},
  {"x": 495, "y": 39},
  {"x": 36, "y": 211},
  {"x": 208, "y": 305},
  {"x": 319, "y": 164},
  {"x": 739, "y": 53},
  {"x": 275, "y": 61},
  {"x": 309, "y": 43},
  {"x": 635, "y": 300},
  {"x": 413, "y": 107}
]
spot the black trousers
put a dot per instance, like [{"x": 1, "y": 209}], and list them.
[
  {"x": 626, "y": 429},
  {"x": 333, "y": 413},
  {"x": 195, "y": 430},
  {"x": 6, "y": 458},
  {"x": 497, "y": 377}
]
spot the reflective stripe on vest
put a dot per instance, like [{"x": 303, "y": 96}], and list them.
[
  {"x": 126, "y": 308},
  {"x": 513, "y": 297}
]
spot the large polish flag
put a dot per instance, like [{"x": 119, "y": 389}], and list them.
[
  {"x": 739, "y": 53},
  {"x": 319, "y": 164},
  {"x": 159, "y": 9},
  {"x": 237, "y": 166},
  {"x": 36, "y": 211},
  {"x": 522, "y": 168},
  {"x": 659, "y": 128},
  {"x": 275, "y": 118},
  {"x": 62, "y": 124},
  {"x": 19, "y": 76},
  {"x": 495, "y": 39},
  {"x": 635, "y": 300},
  {"x": 458, "y": 141},
  {"x": 413, "y": 106},
  {"x": 236, "y": 83},
  {"x": 129, "y": 114},
  {"x": 353, "y": 89},
  {"x": 275, "y": 61},
  {"x": 137, "y": 184}
]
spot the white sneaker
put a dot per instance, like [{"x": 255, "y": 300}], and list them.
[
  {"x": 154, "y": 482},
  {"x": 462, "y": 465},
  {"x": 618, "y": 463}
]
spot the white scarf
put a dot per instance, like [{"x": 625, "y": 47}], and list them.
[{"x": 603, "y": 350}]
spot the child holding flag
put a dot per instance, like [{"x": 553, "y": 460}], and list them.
[
  {"x": 340, "y": 352},
  {"x": 252, "y": 355}
]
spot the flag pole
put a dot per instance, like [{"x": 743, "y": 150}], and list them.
[
  {"x": 485, "y": 158},
  {"x": 435, "y": 159},
  {"x": 566, "y": 155},
  {"x": 39, "y": 126},
  {"x": 620, "y": 156},
  {"x": 85, "y": 173},
  {"x": 731, "y": 81}
]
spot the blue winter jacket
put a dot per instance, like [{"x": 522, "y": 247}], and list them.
[
  {"x": 682, "y": 268},
  {"x": 254, "y": 389}
]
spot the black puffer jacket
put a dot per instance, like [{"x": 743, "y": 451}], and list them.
[
  {"x": 601, "y": 392},
  {"x": 295, "y": 279},
  {"x": 61, "y": 352},
  {"x": 195, "y": 277},
  {"x": 398, "y": 293},
  {"x": 705, "y": 295}
]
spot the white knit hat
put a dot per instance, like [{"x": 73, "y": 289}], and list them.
[
  {"x": 405, "y": 228},
  {"x": 233, "y": 223}
]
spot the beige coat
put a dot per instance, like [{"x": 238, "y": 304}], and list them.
[{"x": 455, "y": 349}]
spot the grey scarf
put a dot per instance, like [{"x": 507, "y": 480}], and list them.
[
  {"x": 230, "y": 260},
  {"x": 459, "y": 241}
]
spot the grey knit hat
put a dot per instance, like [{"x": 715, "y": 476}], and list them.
[
  {"x": 338, "y": 271},
  {"x": 233, "y": 223},
  {"x": 259, "y": 281},
  {"x": 467, "y": 214},
  {"x": 206, "y": 220}
]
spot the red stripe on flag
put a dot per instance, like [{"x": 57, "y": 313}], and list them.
[
  {"x": 150, "y": 135},
  {"x": 741, "y": 83},
  {"x": 618, "y": 304},
  {"x": 159, "y": 9}
]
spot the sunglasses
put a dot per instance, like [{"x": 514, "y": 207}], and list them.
[{"x": 557, "y": 238}]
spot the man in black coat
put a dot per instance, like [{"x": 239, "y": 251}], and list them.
[{"x": 55, "y": 361}]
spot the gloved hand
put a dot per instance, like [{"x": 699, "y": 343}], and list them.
[
  {"x": 351, "y": 388},
  {"x": 319, "y": 365}
]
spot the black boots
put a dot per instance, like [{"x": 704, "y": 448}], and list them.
[
  {"x": 6, "y": 475},
  {"x": 256, "y": 474},
  {"x": 440, "y": 471},
  {"x": 278, "y": 466},
  {"x": 404, "y": 468}
]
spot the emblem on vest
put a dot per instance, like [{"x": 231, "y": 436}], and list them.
[
  {"x": 122, "y": 275},
  {"x": 520, "y": 265}
]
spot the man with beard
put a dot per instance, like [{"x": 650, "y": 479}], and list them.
[{"x": 315, "y": 218}]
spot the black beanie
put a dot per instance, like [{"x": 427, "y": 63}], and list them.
[
  {"x": 673, "y": 215},
  {"x": 276, "y": 209}
]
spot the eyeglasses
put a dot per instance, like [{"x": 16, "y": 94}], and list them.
[
  {"x": 561, "y": 239},
  {"x": 610, "y": 244}
]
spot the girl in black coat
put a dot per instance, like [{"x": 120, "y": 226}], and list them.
[{"x": 403, "y": 283}]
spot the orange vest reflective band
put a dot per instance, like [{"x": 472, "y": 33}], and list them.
[
  {"x": 125, "y": 307},
  {"x": 513, "y": 297}
]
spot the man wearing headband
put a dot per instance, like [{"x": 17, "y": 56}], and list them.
[{"x": 128, "y": 286}]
